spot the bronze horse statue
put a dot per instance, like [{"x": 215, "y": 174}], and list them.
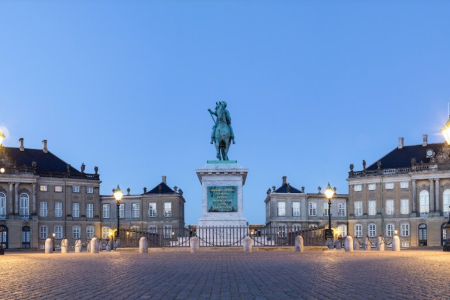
[{"x": 222, "y": 134}]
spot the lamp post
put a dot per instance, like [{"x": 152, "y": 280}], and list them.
[
  {"x": 329, "y": 193},
  {"x": 118, "y": 196},
  {"x": 54, "y": 235}
]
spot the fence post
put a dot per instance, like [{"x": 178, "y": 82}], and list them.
[
  {"x": 77, "y": 246},
  {"x": 348, "y": 244},
  {"x": 299, "y": 246},
  {"x": 395, "y": 243},
  {"x": 143, "y": 247},
  {"x": 355, "y": 244},
  {"x": 367, "y": 245},
  {"x": 194, "y": 244},
  {"x": 94, "y": 245},
  {"x": 64, "y": 245},
  {"x": 380, "y": 244},
  {"x": 48, "y": 246}
]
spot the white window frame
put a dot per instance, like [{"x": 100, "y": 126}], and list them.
[
  {"x": 390, "y": 207},
  {"x": 89, "y": 190},
  {"x": 106, "y": 211},
  {"x": 89, "y": 210},
  {"x": 372, "y": 230},
  {"x": 313, "y": 209},
  {"x": 76, "y": 189},
  {"x": 358, "y": 208},
  {"x": 389, "y": 186},
  {"x": 2, "y": 205},
  {"x": 43, "y": 209},
  {"x": 58, "y": 210},
  {"x": 404, "y": 185},
  {"x": 446, "y": 202},
  {"x": 281, "y": 208},
  {"x": 90, "y": 231},
  {"x": 58, "y": 229},
  {"x": 105, "y": 232},
  {"x": 135, "y": 210},
  {"x": 325, "y": 209},
  {"x": 404, "y": 206},
  {"x": 76, "y": 232},
  {"x": 152, "y": 210},
  {"x": 390, "y": 229},
  {"x": 372, "y": 207},
  {"x": 167, "y": 231},
  {"x": 75, "y": 210},
  {"x": 152, "y": 229},
  {"x": 342, "y": 230},
  {"x": 424, "y": 207},
  {"x": 296, "y": 210},
  {"x": 24, "y": 206},
  {"x": 405, "y": 229},
  {"x": 372, "y": 187},
  {"x": 342, "y": 209},
  {"x": 122, "y": 210},
  {"x": 43, "y": 232},
  {"x": 58, "y": 189},
  {"x": 357, "y": 187},
  {"x": 281, "y": 231},
  {"x": 358, "y": 230}
]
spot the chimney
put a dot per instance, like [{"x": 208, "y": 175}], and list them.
[
  {"x": 21, "y": 147},
  {"x": 400, "y": 142},
  {"x": 425, "y": 140},
  {"x": 284, "y": 180},
  {"x": 44, "y": 146},
  {"x": 145, "y": 190},
  {"x": 164, "y": 179}
]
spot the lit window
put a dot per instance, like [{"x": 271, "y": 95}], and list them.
[
  {"x": 58, "y": 189},
  {"x": 296, "y": 209},
  {"x": 106, "y": 211},
  {"x": 122, "y": 210},
  {"x": 75, "y": 189},
  {"x": 372, "y": 207},
  {"x": 424, "y": 202},
  {"x": 90, "y": 190},
  {"x": 167, "y": 231},
  {"x": 105, "y": 232},
  {"x": 358, "y": 230},
  {"x": 372, "y": 230},
  {"x": 342, "y": 211},
  {"x": 404, "y": 185},
  {"x": 357, "y": 188},
  {"x": 43, "y": 188},
  {"x": 135, "y": 210},
  {"x": 58, "y": 232},
  {"x": 372, "y": 187},
  {"x": 152, "y": 209},
  {"x": 76, "y": 210},
  {"x": 389, "y": 186},
  {"x": 281, "y": 209},
  {"x": 312, "y": 209},
  {"x": 76, "y": 232},
  {"x": 446, "y": 203},
  {"x": 58, "y": 209},
  {"x": 24, "y": 205},
  {"x": 89, "y": 232},
  {"x": 389, "y": 207},
  {"x": 43, "y": 232},
  {"x": 404, "y": 229},
  {"x": 358, "y": 208},
  {"x": 390, "y": 229},
  {"x": 43, "y": 209},
  {"x": 89, "y": 210},
  {"x": 2, "y": 205},
  {"x": 342, "y": 230},
  {"x": 404, "y": 206}
]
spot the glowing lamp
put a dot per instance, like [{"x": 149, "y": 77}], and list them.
[
  {"x": 395, "y": 232},
  {"x": 329, "y": 192},
  {"x": 118, "y": 193},
  {"x": 2, "y": 137},
  {"x": 446, "y": 131},
  {"x": 2, "y": 170}
]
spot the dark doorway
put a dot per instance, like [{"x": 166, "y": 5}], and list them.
[
  {"x": 26, "y": 237},
  {"x": 423, "y": 235}
]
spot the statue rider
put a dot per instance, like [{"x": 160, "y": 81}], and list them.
[{"x": 227, "y": 114}]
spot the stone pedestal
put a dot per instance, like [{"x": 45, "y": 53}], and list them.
[{"x": 222, "y": 194}]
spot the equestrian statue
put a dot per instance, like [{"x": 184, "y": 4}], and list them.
[{"x": 222, "y": 133}]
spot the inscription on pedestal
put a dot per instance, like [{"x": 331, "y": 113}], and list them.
[{"x": 222, "y": 198}]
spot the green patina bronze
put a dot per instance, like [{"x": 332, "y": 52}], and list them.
[
  {"x": 222, "y": 198},
  {"x": 222, "y": 133}
]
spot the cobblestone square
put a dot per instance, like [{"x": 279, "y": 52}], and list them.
[{"x": 409, "y": 274}]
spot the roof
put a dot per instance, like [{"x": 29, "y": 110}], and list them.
[
  {"x": 284, "y": 189},
  {"x": 401, "y": 158},
  {"x": 161, "y": 188}
]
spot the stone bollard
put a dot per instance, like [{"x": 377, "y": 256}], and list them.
[
  {"x": 194, "y": 244},
  {"x": 64, "y": 245},
  {"x": 77, "y": 246},
  {"x": 395, "y": 243},
  {"x": 380, "y": 244},
  {"x": 48, "y": 245},
  {"x": 355, "y": 244},
  {"x": 348, "y": 244},
  {"x": 248, "y": 247},
  {"x": 367, "y": 245},
  {"x": 94, "y": 245},
  {"x": 143, "y": 247},
  {"x": 299, "y": 246}
]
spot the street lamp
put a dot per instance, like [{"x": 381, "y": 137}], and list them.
[
  {"x": 2, "y": 137},
  {"x": 118, "y": 196},
  {"x": 329, "y": 193},
  {"x": 54, "y": 235},
  {"x": 446, "y": 131}
]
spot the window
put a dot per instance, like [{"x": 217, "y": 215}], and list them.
[
  {"x": 296, "y": 209},
  {"x": 76, "y": 210},
  {"x": 312, "y": 209},
  {"x": 446, "y": 203},
  {"x": 342, "y": 211},
  {"x": 43, "y": 209},
  {"x": 58, "y": 232},
  {"x": 106, "y": 211},
  {"x": 76, "y": 232},
  {"x": 168, "y": 209},
  {"x": 152, "y": 209},
  {"x": 167, "y": 231},
  {"x": 372, "y": 207},
  {"x": 89, "y": 210},
  {"x": 342, "y": 230},
  {"x": 122, "y": 210},
  {"x": 2, "y": 205},
  {"x": 404, "y": 185},
  {"x": 358, "y": 230},
  {"x": 404, "y": 229},
  {"x": 152, "y": 229},
  {"x": 43, "y": 188},
  {"x": 24, "y": 205},
  {"x": 389, "y": 186},
  {"x": 358, "y": 208},
  {"x": 297, "y": 227},
  {"x": 372, "y": 187},
  {"x": 90, "y": 190},
  {"x": 58, "y": 209},
  {"x": 135, "y": 210},
  {"x": 105, "y": 232},
  {"x": 424, "y": 202},
  {"x": 372, "y": 230},
  {"x": 325, "y": 209},
  {"x": 281, "y": 209},
  {"x": 75, "y": 189},
  {"x": 389, "y": 207},
  {"x": 43, "y": 232},
  {"x": 404, "y": 206},
  {"x": 281, "y": 231},
  {"x": 390, "y": 229},
  {"x": 58, "y": 188},
  {"x": 357, "y": 188},
  {"x": 89, "y": 232}
]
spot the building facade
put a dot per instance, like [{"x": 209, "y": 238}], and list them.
[
  {"x": 408, "y": 191},
  {"x": 289, "y": 207}
]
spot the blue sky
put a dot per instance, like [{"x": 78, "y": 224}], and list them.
[{"x": 311, "y": 86}]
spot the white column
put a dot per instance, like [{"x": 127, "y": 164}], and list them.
[
  {"x": 414, "y": 196},
  {"x": 16, "y": 205},
  {"x": 11, "y": 198},
  {"x": 34, "y": 199},
  {"x": 431, "y": 195},
  {"x": 438, "y": 198}
]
